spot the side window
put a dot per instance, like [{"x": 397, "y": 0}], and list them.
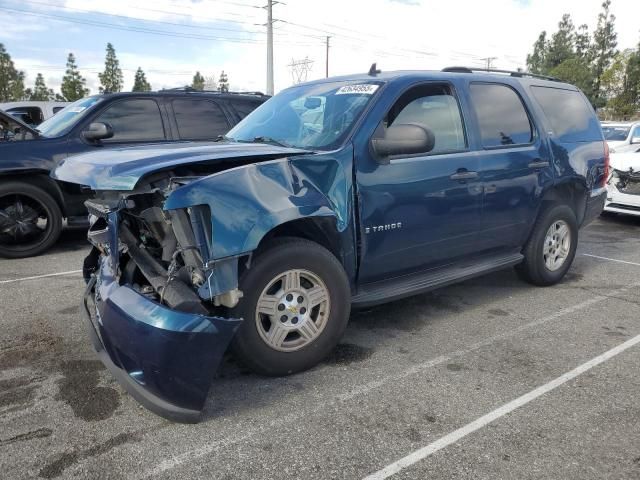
[
  {"x": 244, "y": 108},
  {"x": 502, "y": 118},
  {"x": 199, "y": 119},
  {"x": 57, "y": 109},
  {"x": 636, "y": 133},
  {"x": 135, "y": 120},
  {"x": 572, "y": 119},
  {"x": 434, "y": 107}
]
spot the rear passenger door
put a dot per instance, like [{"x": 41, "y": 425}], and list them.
[
  {"x": 514, "y": 164},
  {"x": 199, "y": 119}
]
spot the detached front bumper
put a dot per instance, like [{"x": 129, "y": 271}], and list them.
[{"x": 164, "y": 358}]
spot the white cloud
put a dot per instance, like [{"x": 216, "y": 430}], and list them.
[{"x": 396, "y": 34}]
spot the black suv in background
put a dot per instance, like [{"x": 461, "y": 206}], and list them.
[{"x": 33, "y": 206}]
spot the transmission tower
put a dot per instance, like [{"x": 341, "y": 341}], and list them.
[{"x": 300, "y": 69}]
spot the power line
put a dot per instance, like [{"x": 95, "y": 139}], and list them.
[
  {"x": 136, "y": 29},
  {"x": 126, "y": 17}
]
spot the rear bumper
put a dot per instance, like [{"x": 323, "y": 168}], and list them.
[
  {"x": 595, "y": 205},
  {"x": 164, "y": 358}
]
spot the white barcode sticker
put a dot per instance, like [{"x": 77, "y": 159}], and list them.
[{"x": 363, "y": 89}]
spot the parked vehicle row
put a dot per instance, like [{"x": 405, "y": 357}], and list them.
[
  {"x": 348, "y": 191},
  {"x": 32, "y": 113},
  {"x": 33, "y": 206},
  {"x": 621, "y": 136},
  {"x": 623, "y": 188}
]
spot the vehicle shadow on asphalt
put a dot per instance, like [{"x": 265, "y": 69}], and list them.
[{"x": 236, "y": 389}]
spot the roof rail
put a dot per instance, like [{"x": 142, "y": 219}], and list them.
[
  {"x": 493, "y": 70},
  {"x": 190, "y": 89}
]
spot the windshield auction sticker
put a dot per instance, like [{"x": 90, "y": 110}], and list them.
[{"x": 363, "y": 89}]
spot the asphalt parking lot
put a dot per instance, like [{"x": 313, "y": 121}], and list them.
[{"x": 424, "y": 387}]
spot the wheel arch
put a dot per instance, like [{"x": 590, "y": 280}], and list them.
[
  {"x": 572, "y": 193},
  {"x": 321, "y": 230}
]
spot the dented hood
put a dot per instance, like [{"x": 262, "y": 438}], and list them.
[{"x": 122, "y": 168}]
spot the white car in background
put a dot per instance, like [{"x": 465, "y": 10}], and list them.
[
  {"x": 33, "y": 113},
  {"x": 621, "y": 134},
  {"x": 623, "y": 187}
]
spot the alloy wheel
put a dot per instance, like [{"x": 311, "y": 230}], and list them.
[{"x": 292, "y": 310}]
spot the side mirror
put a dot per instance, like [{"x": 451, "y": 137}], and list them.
[
  {"x": 97, "y": 131},
  {"x": 404, "y": 139},
  {"x": 635, "y": 140}
]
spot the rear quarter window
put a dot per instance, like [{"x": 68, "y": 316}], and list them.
[{"x": 571, "y": 117}]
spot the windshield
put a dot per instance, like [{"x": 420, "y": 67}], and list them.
[
  {"x": 316, "y": 117},
  {"x": 615, "y": 133},
  {"x": 67, "y": 117}
]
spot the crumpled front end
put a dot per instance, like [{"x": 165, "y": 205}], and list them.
[
  {"x": 623, "y": 192},
  {"x": 150, "y": 306}
]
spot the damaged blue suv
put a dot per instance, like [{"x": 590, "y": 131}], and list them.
[{"x": 342, "y": 192}]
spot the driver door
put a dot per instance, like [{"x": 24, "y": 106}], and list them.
[{"x": 423, "y": 210}]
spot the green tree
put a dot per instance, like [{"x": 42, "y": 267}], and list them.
[
  {"x": 73, "y": 84},
  {"x": 537, "y": 61},
  {"x": 583, "y": 43},
  {"x": 561, "y": 45},
  {"x": 17, "y": 87},
  {"x": 11, "y": 80},
  {"x": 223, "y": 82},
  {"x": 576, "y": 71},
  {"x": 40, "y": 91},
  {"x": 111, "y": 79},
  {"x": 198, "y": 82},
  {"x": 605, "y": 41},
  {"x": 140, "y": 83}
]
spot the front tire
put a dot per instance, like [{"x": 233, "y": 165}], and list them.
[
  {"x": 30, "y": 220},
  {"x": 295, "y": 307},
  {"x": 551, "y": 248}
]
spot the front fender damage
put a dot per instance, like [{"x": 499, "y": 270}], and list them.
[{"x": 171, "y": 251}]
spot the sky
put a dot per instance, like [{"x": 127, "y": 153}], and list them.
[{"x": 172, "y": 39}]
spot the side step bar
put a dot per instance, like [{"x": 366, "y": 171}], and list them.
[{"x": 405, "y": 286}]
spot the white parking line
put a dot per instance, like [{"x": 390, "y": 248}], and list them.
[
  {"x": 611, "y": 259},
  {"x": 206, "y": 450},
  {"x": 70, "y": 272},
  {"x": 505, "y": 409}
]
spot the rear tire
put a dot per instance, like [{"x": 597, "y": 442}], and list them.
[
  {"x": 295, "y": 307},
  {"x": 551, "y": 248},
  {"x": 30, "y": 220}
]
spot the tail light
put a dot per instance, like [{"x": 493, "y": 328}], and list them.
[{"x": 607, "y": 160}]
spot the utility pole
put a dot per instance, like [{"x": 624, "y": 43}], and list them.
[
  {"x": 269, "y": 47},
  {"x": 489, "y": 62},
  {"x": 326, "y": 67}
]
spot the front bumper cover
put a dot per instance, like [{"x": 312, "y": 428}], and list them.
[{"x": 164, "y": 358}]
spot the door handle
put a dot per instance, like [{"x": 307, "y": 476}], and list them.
[
  {"x": 462, "y": 175},
  {"x": 539, "y": 164}
]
